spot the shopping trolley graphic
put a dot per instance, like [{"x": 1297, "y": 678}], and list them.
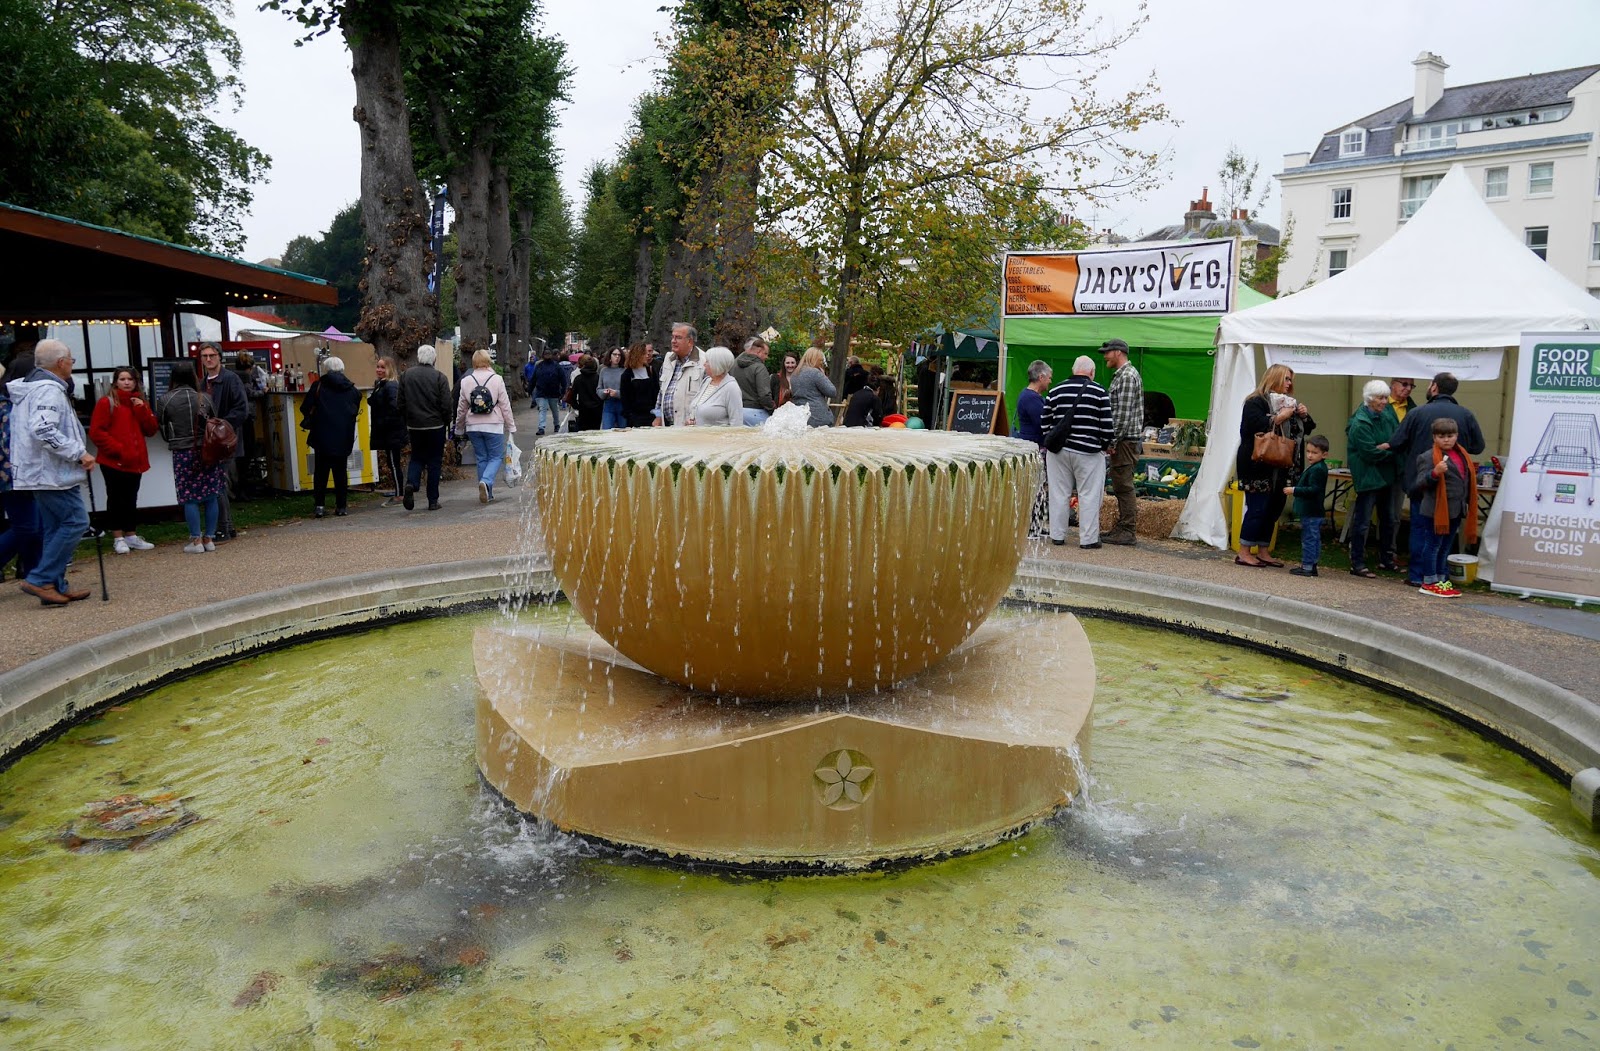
[{"x": 1570, "y": 449}]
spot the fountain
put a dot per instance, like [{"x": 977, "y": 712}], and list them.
[{"x": 789, "y": 663}]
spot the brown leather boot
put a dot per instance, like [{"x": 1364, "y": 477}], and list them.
[
  {"x": 47, "y": 596},
  {"x": 75, "y": 596}
]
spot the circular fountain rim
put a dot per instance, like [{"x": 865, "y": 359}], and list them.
[{"x": 1554, "y": 726}]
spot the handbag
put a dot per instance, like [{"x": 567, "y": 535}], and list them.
[{"x": 1273, "y": 449}]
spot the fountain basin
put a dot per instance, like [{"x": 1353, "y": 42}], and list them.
[
  {"x": 734, "y": 562},
  {"x": 971, "y": 751}
]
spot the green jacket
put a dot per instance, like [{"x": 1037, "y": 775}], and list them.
[
  {"x": 1311, "y": 491},
  {"x": 1370, "y": 467}
]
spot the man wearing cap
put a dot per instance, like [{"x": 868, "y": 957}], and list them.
[{"x": 1127, "y": 416}]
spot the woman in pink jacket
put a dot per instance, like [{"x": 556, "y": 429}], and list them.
[
  {"x": 483, "y": 413},
  {"x": 121, "y": 422}
]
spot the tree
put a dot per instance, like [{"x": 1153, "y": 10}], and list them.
[
  {"x": 1236, "y": 183},
  {"x": 336, "y": 257},
  {"x": 603, "y": 277},
  {"x": 106, "y": 117},
  {"x": 902, "y": 109}
]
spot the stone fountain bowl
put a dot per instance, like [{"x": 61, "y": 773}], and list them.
[{"x": 736, "y": 562}]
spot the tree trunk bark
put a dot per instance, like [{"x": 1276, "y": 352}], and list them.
[
  {"x": 469, "y": 190},
  {"x": 739, "y": 278},
  {"x": 643, "y": 264},
  {"x": 507, "y": 309},
  {"x": 845, "y": 309},
  {"x": 398, "y": 313},
  {"x": 673, "y": 300},
  {"x": 521, "y": 284}
]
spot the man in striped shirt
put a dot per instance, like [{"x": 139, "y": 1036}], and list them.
[
  {"x": 1127, "y": 409},
  {"x": 1081, "y": 463}
]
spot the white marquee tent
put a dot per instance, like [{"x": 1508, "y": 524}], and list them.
[{"x": 1449, "y": 292}]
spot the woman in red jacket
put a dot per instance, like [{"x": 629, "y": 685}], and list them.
[{"x": 121, "y": 422}]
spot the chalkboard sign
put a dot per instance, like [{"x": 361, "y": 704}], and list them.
[
  {"x": 976, "y": 412},
  {"x": 161, "y": 377}
]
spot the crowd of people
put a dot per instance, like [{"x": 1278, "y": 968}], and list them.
[
  {"x": 1398, "y": 452},
  {"x": 1085, "y": 432},
  {"x": 691, "y": 387}
]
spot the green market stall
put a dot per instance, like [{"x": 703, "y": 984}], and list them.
[{"x": 1174, "y": 354}]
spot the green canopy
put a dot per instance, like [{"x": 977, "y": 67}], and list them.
[{"x": 1173, "y": 354}]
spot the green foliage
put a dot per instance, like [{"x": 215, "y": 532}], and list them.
[
  {"x": 337, "y": 258},
  {"x": 603, "y": 261},
  {"x": 106, "y": 117},
  {"x": 550, "y": 283}
]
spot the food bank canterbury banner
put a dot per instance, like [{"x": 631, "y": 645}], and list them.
[
  {"x": 1189, "y": 277},
  {"x": 1549, "y": 525}
]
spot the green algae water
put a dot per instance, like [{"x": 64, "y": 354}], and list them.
[{"x": 303, "y": 857}]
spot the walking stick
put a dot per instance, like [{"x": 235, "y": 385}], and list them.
[{"x": 99, "y": 553}]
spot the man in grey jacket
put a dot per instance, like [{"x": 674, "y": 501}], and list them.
[
  {"x": 755, "y": 382},
  {"x": 427, "y": 408},
  {"x": 49, "y": 457}
]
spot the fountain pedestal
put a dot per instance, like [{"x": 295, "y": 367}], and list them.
[
  {"x": 972, "y": 750},
  {"x": 790, "y": 662}
]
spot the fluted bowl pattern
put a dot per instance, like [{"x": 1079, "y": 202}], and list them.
[{"x": 737, "y": 563}]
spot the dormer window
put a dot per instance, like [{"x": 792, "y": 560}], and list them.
[{"x": 1353, "y": 143}]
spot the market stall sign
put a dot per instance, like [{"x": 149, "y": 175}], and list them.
[
  {"x": 1188, "y": 277},
  {"x": 1549, "y": 535},
  {"x": 976, "y": 412},
  {"x": 1465, "y": 363}
]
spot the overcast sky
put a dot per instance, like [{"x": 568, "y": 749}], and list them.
[{"x": 1268, "y": 76}]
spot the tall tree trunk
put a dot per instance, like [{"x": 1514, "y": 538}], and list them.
[
  {"x": 397, "y": 311},
  {"x": 643, "y": 258},
  {"x": 739, "y": 278},
  {"x": 673, "y": 301},
  {"x": 469, "y": 191},
  {"x": 506, "y": 306},
  {"x": 521, "y": 283},
  {"x": 844, "y": 311}
]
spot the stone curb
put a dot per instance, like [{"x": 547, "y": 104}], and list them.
[
  {"x": 1557, "y": 727},
  {"x": 44, "y": 695}
]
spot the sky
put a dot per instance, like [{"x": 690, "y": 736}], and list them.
[{"x": 1265, "y": 76}]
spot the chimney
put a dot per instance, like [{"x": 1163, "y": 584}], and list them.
[
  {"x": 1430, "y": 82},
  {"x": 1199, "y": 211},
  {"x": 1241, "y": 215}
]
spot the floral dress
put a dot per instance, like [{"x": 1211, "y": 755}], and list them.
[{"x": 195, "y": 480}]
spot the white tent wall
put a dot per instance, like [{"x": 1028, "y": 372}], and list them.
[{"x": 1452, "y": 278}]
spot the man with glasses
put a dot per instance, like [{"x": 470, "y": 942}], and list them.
[
  {"x": 49, "y": 457},
  {"x": 229, "y": 401}
]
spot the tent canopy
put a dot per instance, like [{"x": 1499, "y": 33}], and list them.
[
  {"x": 1453, "y": 277},
  {"x": 1173, "y": 354}
]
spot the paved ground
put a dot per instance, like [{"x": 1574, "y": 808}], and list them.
[{"x": 1559, "y": 645}]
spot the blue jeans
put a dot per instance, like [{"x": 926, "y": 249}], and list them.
[
  {"x": 611, "y": 414},
  {"x": 552, "y": 406},
  {"x": 1431, "y": 552},
  {"x": 21, "y": 540},
  {"x": 755, "y": 417},
  {"x": 490, "y": 449},
  {"x": 1310, "y": 541},
  {"x": 191, "y": 515},
  {"x": 1361, "y": 518},
  {"x": 62, "y": 521},
  {"x": 1421, "y": 530},
  {"x": 1261, "y": 513}
]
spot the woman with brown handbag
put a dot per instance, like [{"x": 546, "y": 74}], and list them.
[{"x": 1268, "y": 453}]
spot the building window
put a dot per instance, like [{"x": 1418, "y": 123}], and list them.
[
  {"x": 1353, "y": 143},
  {"x": 1541, "y": 177},
  {"x": 1414, "y": 191},
  {"x": 1338, "y": 261},
  {"x": 1594, "y": 243},
  {"x": 1342, "y": 199},
  {"x": 1537, "y": 238},
  {"x": 1496, "y": 183}
]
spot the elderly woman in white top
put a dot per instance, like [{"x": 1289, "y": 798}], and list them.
[{"x": 718, "y": 403}]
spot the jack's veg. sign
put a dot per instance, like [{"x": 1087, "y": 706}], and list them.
[
  {"x": 1549, "y": 539},
  {"x": 1187, "y": 277}
]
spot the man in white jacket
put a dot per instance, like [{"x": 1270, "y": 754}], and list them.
[
  {"x": 49, "y": 457},
  {"x": 681, "y": 377}
]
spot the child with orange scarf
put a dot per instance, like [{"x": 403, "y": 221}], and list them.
[{"x": 1447, "y": 488}]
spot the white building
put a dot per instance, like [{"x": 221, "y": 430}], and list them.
[{"x": 1530, "y": 144}]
